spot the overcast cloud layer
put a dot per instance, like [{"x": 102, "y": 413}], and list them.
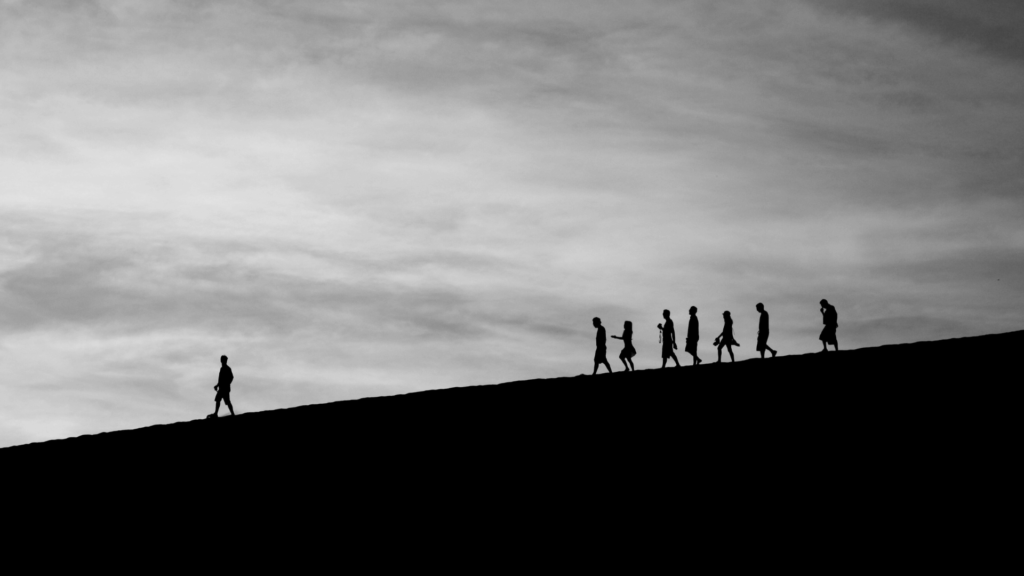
[{"x": 366, "y": 198}]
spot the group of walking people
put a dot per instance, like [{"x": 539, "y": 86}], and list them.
[
  {"x": 667, "y": 339},
  {"x": 725, "y": 339}
]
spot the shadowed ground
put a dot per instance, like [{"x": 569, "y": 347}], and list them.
[{"x": 923, "y": 431}]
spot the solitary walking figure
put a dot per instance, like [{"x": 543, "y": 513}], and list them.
[
  {"x": 762, "y": 332},
  {"x": 830, "y": 318},
  {"x": 725, "y": 339},
  {"x": 627, "y": 346},
  {"x": 668, "y": 340},
  {"x": 223, "y": 387},
  {"x": 601, "y": 356}
]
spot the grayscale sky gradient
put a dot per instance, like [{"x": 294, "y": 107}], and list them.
[{"x": 366, "y": 198}]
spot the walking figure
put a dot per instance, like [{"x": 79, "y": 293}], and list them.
[
  {"x": 762, "y": 332},
  {"x": 725, "y": 339},
  {"x": 668, "y": 340},
  {"x": 627, "y": 346},
  {"x": 830, "y": 318},
  {"x": 693, "y": 335},
  {"x": 601, "y": 356},
  {"x": 223, "y": 387}
]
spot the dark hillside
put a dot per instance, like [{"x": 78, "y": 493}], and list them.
[{"x": 914, "y": 428}]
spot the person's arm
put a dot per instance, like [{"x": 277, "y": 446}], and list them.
[{"x": 616, "y": 337}]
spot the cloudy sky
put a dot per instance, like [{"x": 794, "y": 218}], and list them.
[{"x": 356, "y": 198}]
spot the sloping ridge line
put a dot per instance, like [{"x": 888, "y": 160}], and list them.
[
  {"x": 894, "y": 370},
  {"x": 927, "y": 429}
]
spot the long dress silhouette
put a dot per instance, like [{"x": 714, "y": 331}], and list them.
[
  {"x": 693, "y": 335},
  {"x": 601, "y": 355}
]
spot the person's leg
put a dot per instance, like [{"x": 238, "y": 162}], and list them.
[
  {"x": 596, "y": 364},
  {"x": 676, "y": 360},
  {"x": 720, "y": 352},
  {"x": 835, "y": 344},
  {"x": 217, "y": 407},
  {"x": 731, "y": 357},
  {"x": 227, "y": 402},
  {"x": 770, "y": 349},
  {"x": 632, "y": 368},
  {"x": 663, "y": 362},
  {"x": 762, "y": 353}
]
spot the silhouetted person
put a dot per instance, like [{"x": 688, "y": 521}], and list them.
[
  {"x": 693, "y": 335},
  {"x": 830, "y": 318},
  {"x": 725, "y": 339},
  {"x": 762, "y": 332},
  {"x": 601, "y": 356},
  {"x": 668, "y": 340},
  {"x": 223, "y": 387},
  {"x": 627, "y": 346}
]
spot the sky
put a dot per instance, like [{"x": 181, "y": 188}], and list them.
[{"x": 355, "y": 199}]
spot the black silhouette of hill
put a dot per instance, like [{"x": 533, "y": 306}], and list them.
[{"x": 916, "y": 433}]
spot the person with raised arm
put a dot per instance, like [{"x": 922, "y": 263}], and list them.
[
  {"x": 627, "y": 346},
  {"x": 830, "y": 318}
]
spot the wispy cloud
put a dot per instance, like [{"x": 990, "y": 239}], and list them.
[{"x": 991, "y": 26}]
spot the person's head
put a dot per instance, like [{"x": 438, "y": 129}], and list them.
[
  {"x": 726, "y": 314},
  {"x": 597, "y": 322},
  {"x": 760, "y": 307},
  {"x": 224, "y": 360},
  {"x": 693, "y": 310},
  {"x": 628, "y": 325},
  {"x": 824, "y": 303},
  {"x": 665, "y": 314}
]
